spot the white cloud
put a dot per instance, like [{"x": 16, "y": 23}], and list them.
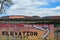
[
  {"x": 58, "y": 8},
  {"x": 29, "y": 8},
  {"x": 25, "y": 7},
  {"x": 30, "y": 11},
  {"x": 55, "y": 0}
]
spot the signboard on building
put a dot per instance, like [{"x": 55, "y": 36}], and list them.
[{"x": 27, "y": 31}]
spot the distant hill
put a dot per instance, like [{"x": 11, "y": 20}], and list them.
[
  {"x": 51, "y": 17},
  {"x": 29, "y": 17},
  {"x": 20, "y": 16}
]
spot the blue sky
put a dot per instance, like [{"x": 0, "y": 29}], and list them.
[{"x": 34, "y": 8}]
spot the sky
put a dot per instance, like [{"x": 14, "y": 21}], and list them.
[{"x": 34, "y": 8}]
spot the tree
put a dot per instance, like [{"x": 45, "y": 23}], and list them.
[{"x": 4, "y": 3}]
